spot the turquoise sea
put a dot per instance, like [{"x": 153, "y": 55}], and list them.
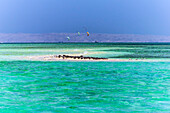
[{"x": 73, "y": 87}]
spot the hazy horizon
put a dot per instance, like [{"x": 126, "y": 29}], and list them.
[
  {"x": 106, "y": 20},
  {"x": 74, "y": 37}
]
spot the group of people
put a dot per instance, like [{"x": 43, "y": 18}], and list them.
[{"x": 80, "y": 57}]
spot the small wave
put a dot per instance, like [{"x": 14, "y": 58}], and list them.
[
  {"x": 85, "y": 52},
  {"x": 75, "y": 49}
]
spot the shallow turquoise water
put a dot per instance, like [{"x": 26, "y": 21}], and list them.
[
  {"x": 108, "y": 50},
  {"x": 34, "y": 86},
  {"x": 84, "y": 86}
]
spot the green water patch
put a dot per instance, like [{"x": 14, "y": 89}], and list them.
[
  {"x": 34, "y": 86},
  {"x": 139, "y": 50},
  {"x": 141, "y": 53}
]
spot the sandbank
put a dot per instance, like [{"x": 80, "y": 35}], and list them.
[{"x": 56, "y": 58}]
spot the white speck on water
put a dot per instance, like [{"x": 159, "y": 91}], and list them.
[{"x": 85, "y": 52}]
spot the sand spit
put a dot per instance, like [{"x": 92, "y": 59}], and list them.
[
  {"x": 82, "y": 58},
  {"x": 64, "y": 58}
]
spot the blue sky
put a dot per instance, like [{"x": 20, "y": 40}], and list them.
[{"x": 99, "y": 16}]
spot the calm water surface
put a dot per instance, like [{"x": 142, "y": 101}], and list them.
[
  {"x": 108, "y": 50},
  {"x": 73, "y": 87}
]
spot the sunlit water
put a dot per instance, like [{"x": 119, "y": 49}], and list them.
[{"x": 34, "y": 86}]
